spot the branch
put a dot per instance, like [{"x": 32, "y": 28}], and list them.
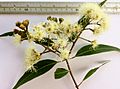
[
  {"x": 71, "y": 74},
  {"x": 75, "y": 42},
  {"x": 89, "y": 29},
  {"x": 85, "y": 39}
]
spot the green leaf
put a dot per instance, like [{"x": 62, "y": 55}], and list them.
[
  {"x": 7, "y": 34},
  {"x": 102, "y": 3},
  {"x": 41, "y": 67},
  {"x": 60, "y": 72},
  {"x": 92, "y": 71},
  {"x": 88, "y": 50}
]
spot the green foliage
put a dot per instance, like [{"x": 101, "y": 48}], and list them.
[
  {"x": 92, "y": 71},
  {"x": 41, "y": 67},
  {"x": 88, "y": 50},
  {"x": 60, "y": 72},
  {"x": 7, "y": 34}
]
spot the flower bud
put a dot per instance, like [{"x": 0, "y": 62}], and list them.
[
  {"x": 22, "y": 27},
  {"x": 61, "y": 20},
  {"x": 49, "y": 18},
  {"x": 16, "y": 31},
  {"x": 25, "y": 23},
  {"x": 55, "y": 19},
  {"x": 18, "y": 24}
]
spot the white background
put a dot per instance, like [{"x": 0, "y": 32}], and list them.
[{"x": 12, "y": 58}]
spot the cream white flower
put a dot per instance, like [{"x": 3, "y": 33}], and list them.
[
  {"x": 55, "y": 46},
  {"x": 17, "y": 39},
  {"x": 52, "y": 26},
  {"x": 32, "y": 57},
  {"x": 66, "y": 22},
  {"x": 76, "y": 28},
  {"x": 92, "y": 10},
  {"x": 104, "y": 22},
  {"x": 65, "y": 26},
  {"x": 62, "y": 42},
  {"x": 37, "y": 27},
  {"x": 103, "y": 26},
  {"x": 64, "y": 53},
  {"x": 94, "y": 43},
  {"x": 97, "y": 30},
  {"x": 50, "y": 29},
  {"x": 37, "y": 35},
  {"x": 95, "y": 13}
]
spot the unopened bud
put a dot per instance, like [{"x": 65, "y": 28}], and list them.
[
  {"x": 22, "y": 27},
  {"x": 16, "y": 31},
  {"x": 61, "y": 20},
  {"x": 25, "y": 23},
  {"x": 55, "y": 19},
  {"x": 18, "y": 24},
  {"x": 49, "y": 18}
]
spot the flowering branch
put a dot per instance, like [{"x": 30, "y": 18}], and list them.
[{"x": 56, "y": 36}]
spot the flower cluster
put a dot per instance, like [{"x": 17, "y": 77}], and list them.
[
  {"x": 58, "y": 31},
  {"x": 97, "y": 17},
  {"x": 17, "y": 39},
  {"x": 56, "y": 34}
]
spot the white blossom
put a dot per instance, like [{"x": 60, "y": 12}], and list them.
[
  {"x": 32, "y": 57},
  {"x": 92, "y": 10},
  {"x": 64, "y": 53},
  {"x": 17, "y": 39},
  {"x": 94, "y": 43}
]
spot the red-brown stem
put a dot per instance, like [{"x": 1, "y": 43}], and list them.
[
  {"x": 71, "y": 74},
  {"x": 74, "y": 42}
]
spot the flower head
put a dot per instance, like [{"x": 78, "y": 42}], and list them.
[
  {"x": 103, "y": 25},
  {"x": 77, "y": 28},
  {"x": 64, "y": 53},
  {"x": 92, "y": 10},
  {"x": 17, "y": 39},
  {"x": 94, "y": 43},
  {"x": 62, "y": 42},
  {"x": 32, "y": 57},
  {"x": 96, "y": 15},
  {"x": 104, "y": 22},
  {"x": 97, "y": 30},
  {"x": 38, "y": 33},
  {"x": 51, "y": 27}
]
